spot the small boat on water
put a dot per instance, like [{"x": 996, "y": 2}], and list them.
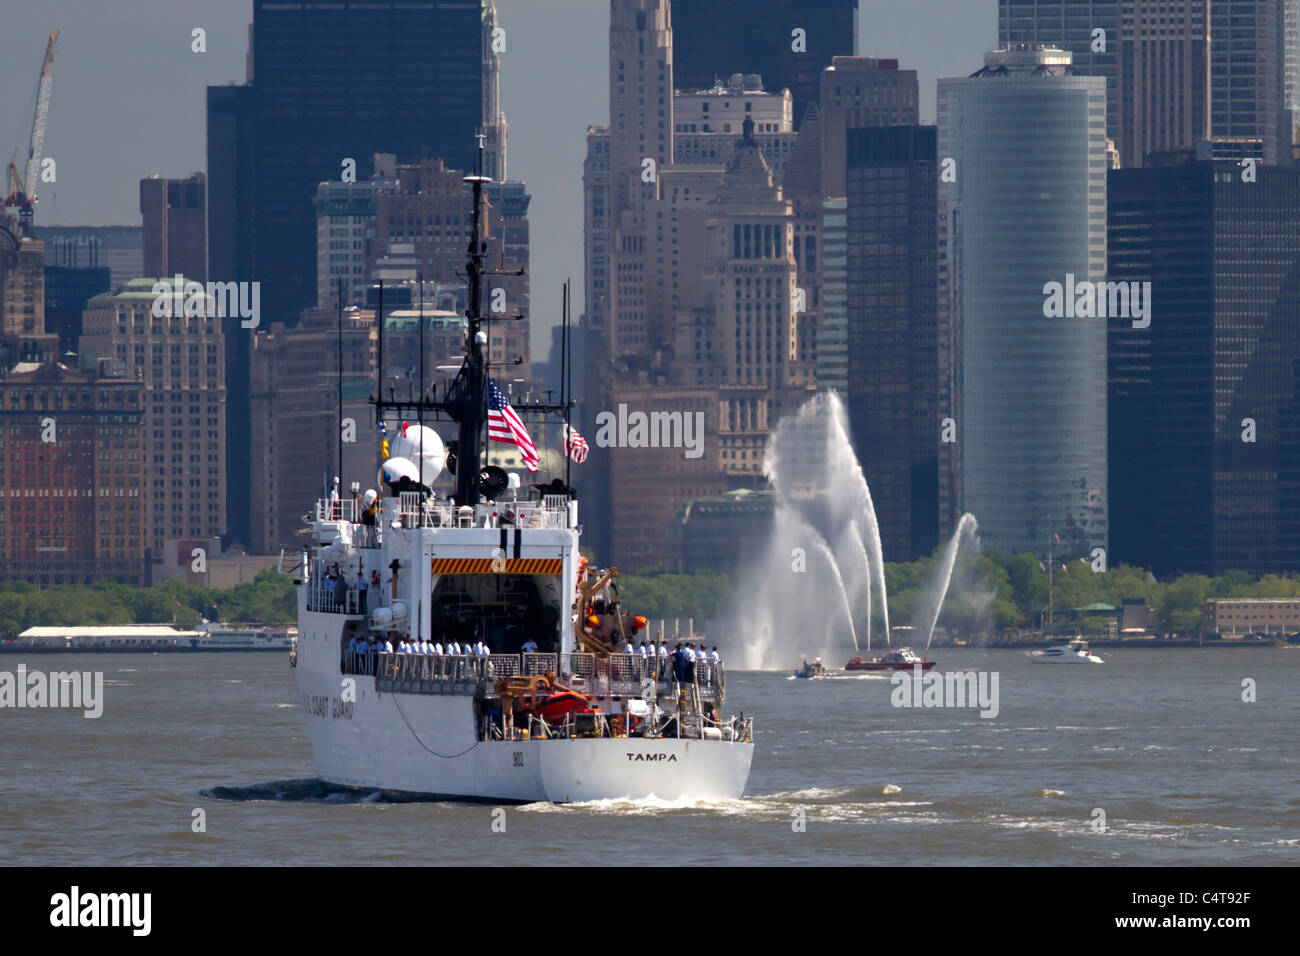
[
  {"x": 1075, "y": 652},
  {"x": 899, "y": 659},
  {"x": 814, "y": 668}
]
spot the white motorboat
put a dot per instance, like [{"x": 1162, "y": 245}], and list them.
[{"x": 1075, "y": 652}]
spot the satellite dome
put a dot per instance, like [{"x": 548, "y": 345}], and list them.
[
  {"x": 396, "y": 469},
  {"x": 421, "y": 445}
]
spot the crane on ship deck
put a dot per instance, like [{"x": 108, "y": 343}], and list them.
[{"x": 22, "y": 189}]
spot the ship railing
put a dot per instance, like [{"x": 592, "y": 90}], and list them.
[
  {"x": 345, "y": 509},
  {"x": 433, "y": 673},
  {"x": 429, "y": 673},
  {"x": 742, "y": 730},
  {"x": 416, "y": 511},
  {"x": 578, "y": 665},
  {"x": 321, "y": 600},
  {"x": 359, "y": 662},
  {"x": 624, "y": 673},
  {"x": 409, "y": 509},
  {"x": 534, "y": 664}
]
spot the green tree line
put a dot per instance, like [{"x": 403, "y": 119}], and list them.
[
  {"x": 989, "y": 591},
  {"x": 267, "y": 599}
]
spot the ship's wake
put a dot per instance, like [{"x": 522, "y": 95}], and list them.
[
  {"x": 770, "y": 806},
  {"x": 309, "y": 790}
]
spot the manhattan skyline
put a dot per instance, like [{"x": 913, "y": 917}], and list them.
[{"x": 104, "y": 93}]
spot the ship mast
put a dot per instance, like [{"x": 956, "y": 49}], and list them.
[
  {"x": 465, "y": 399},
  {"x": 469, "y": 391}
]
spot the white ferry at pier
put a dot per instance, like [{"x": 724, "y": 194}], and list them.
[
  {"x": 552, "y": 711},
  {"x": 151, "y": 639}
]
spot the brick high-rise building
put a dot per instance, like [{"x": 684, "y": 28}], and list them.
[
  {"x": 179, "y": 360},
  {"x": 861, "y": 91},
  {"x": 295, "y": 437},
  {"x": 429, "y": 211},
  {"x": 72, "y": 477},
  {"x": 23, "y": 337},
  {"x": 174, "y": 217},
  {"x": 1164, "y": 77}
]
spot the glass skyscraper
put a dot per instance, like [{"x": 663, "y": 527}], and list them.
[{"x": 1022, "y": 204}]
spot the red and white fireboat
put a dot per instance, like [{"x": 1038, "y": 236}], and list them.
[{"x": 900, "y": 659}]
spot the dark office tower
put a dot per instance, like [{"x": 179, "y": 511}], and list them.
[
  {"x": 174, "y": 227},
  {"x": 67, "y": 290},
  {"x": 329, "y": 82},
  {"x": 712, "y": 39},
  {"x": 1203, "y": 402},
  {"x": 342, "y": 81},
  {"x": 892, "y": 315},
  {"x": 231, "y": 153},
  {"x": 231, "y": 149}
]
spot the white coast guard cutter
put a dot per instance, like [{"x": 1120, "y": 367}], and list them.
[{"x": 572, "y": 721}]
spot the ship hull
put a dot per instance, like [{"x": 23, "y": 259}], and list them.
[
  {"x": 886, "y": 666},
  {"x": 426, "y": 744}
]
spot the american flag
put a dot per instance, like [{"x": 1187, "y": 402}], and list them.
[
  {"x": 505, "y": 426},
  {"x": 575, "y": 446}
]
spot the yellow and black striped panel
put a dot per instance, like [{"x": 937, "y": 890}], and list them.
[{"x": 502, "y": 565}]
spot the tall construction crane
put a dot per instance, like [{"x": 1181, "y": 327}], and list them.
[{"x": 22, "y": 191}]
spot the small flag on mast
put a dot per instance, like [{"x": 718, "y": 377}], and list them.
[
  {"x": 504, "y": 425},
  {"x": 575, "y": 446}
]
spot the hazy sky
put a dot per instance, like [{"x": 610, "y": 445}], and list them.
[{"x": 129, "y": 99}]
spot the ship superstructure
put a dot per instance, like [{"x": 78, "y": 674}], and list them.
[{"x": 459, "y": 645}]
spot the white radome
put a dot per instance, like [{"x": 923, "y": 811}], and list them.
[
  {"x": 420, "y": 442},
  {"x": 395, "y": 469}
]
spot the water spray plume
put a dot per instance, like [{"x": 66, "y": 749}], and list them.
[{"x": 965, "y": 527}]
